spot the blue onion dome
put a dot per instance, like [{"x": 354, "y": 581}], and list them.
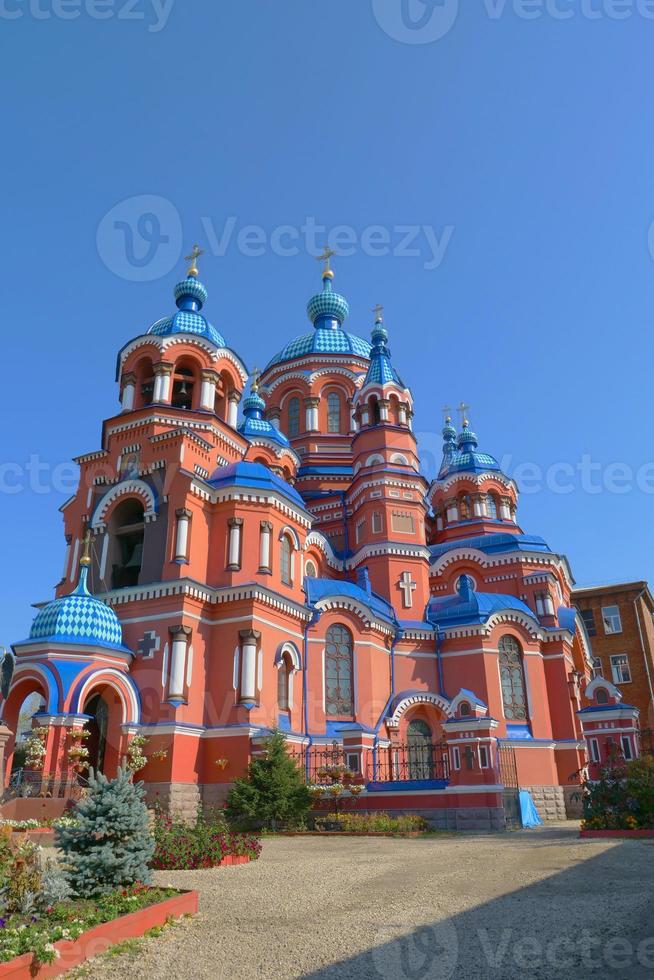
[
  {"x": 254, "y": 425},
  {"x": 467, "y": 438},
  {"x": 460, "y": 455},
  {"x": 381, "y": 371},
  {"x": 327, "y": 311},
  {"x": 190, "y": 296},
  {"x": 449, "y": 437},
  {"x": 79, "y": 618}
]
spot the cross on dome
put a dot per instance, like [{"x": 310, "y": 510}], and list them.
[
  {"x": 196, "y": 252},
  {"x": 327, "y": 254}
]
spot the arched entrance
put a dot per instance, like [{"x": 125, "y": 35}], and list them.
[
  {"x": 98, "y": 710},
  {"x": 420, "y": 750}
]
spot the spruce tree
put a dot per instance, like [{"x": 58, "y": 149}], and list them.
[
  {"x": 273, "y": 794},
  {"x": 111, "y": 844}
]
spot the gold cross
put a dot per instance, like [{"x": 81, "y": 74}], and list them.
[
  {"x": 196, "y": 252},
  {"x": 378, "y": 310},
  {"x": 446, "y": 413},
  {"x": 325, "y": 257},
  {"x": 256, "y": 374},
  {"x": 463, "y": 409}
]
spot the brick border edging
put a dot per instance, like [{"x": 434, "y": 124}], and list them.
[
  {"x": 617, "y": 833},
  {"x": 98, "y": 939}
]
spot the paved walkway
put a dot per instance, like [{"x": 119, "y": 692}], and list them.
[{"x": 537, "y": 904}]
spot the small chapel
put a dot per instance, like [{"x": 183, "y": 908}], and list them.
[{"x": 255, "y": 553}]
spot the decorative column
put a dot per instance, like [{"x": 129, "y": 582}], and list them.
[
  {"x": 179, "y": 642},
  {"x": 233, "y": 399},
  {"x": 249, "y": 643},
  {"x": 452, "y": 510},
  {"x": 402, "y": 414},
  {"x": 129, "y": 389},
  {"x": 478, "y": 505},
  {"x": 439, "y": 522},
  {"x": 505, "y": 508},
  {"x": 234, "y": 546},
  {"x": 265, "y": 537},
  {"x": 181, "y": 540},
  {"x": 365, "y": 415},
  {"x": 208, "y": 389},
  {"x": 384, "y": 405},
  {"x": 311, "y": 413},
  {"x": 409, "y": 419},
  {"x": 162, "y": 373}
]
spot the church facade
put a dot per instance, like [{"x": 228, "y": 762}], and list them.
[{"x": 277, "y": 560}]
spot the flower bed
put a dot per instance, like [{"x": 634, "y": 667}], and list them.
[
  {"x": 74, "y": 931},
  {"x": 183, "y": 846},
  {"x": 369, "y": 824}
]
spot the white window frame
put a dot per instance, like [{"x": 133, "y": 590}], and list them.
[
  {"x": 456, "y": 758},
  {"x": 626, "y": 743},
  {"x": 608, "y": 620},
  {"x": 598, "y": 669},
  {"x": 593, "y": 745},
  {"x": 483, "y": 757},
  {"x": 617, "y": 668}
]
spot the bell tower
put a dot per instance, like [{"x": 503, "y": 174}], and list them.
[{"x": 386, "y": 500}]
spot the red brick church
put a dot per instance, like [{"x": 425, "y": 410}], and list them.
[{"x": 279, "y": 561}]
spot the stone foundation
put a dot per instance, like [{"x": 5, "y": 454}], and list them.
[
  {"x": 573, "y": 807},
  {"x": 182, "y": 799},
  {"x": 485, "y": 818},
  {"x": 549, "y": 801}
]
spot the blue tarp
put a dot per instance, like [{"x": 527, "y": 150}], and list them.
[{"x": 528, "y": 811}]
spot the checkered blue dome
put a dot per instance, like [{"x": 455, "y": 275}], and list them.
[
  {"x": 462, "y": 455},
  {"x": 381, "y": 371},
  {"x": 327, "y": 304},
  {"x": 79, "y": 618},
  {"x": 190, "y": 295},
  {"x": 255, "y": 426}
]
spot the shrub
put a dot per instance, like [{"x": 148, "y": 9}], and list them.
[
  {"x": 180, "y": 845},
  {"x": 376, "y": 823},
  {"x": 622, "y": 798},
  {"x": 111, "y": 844},
  {"x": 273, "y": 794}
]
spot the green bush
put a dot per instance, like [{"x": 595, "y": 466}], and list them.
[
  {"x": 374, "y": 823},
  {"x": 622, "y": 798},
  {"x": 273, "y": 795},
  {"x": 111, "y": 843}
]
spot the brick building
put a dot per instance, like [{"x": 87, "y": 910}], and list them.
[{"x": 620, "y": 626}]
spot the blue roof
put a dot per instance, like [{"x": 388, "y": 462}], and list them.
[
  {"x": 190, "y": 296},
  {"x": 381, "y": 370},
  {"x": 322, "y": 588},
  {"x": 79, "y": 618},
  {"x": 477, "y": 607},
  {"x": 255, "y": 426},
  {"x": 492, "y": 544},
  {"x": 463, "y": 456},
  {"x": 256, "y": 477}
]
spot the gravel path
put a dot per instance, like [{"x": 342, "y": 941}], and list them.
[{"x": 530, "y": 904}]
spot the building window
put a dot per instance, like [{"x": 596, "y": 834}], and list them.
[
  {"x": 483, "y": 756},
  {"x": 403, "y": 523},
  {"x": 456, "y": 757},
  {"x": 338, "y": 671},
  {"x": 602, "y": 696},
  {"x": 360, "y": 531},
  {"x": 465, "y": 510},
  {"x": 294, "y": 417},
  {"x": 620, "y": 669},
  {"x": 598, "y": 669},
  {"x": 627, "y": 750},
  {"x": 377, "y": 523},
  {"x": 491, "y": 506},
  {"x": 126, "y": 534},
  {"x": 333, "y": 412},
  {"x": 284, "y": 674},
  {"x": 310, "y": 569},
  {"x": 286, "y": 560},
  {"x": 611, "y": 619},
  {"x": 464, "y": 709},
  {"x": 420, "y": 750},
  {"x": 594, "y": 750},
  {"x": 588, "y": 617},
  {"x": 512, "y": 679},
  {"x": 183, "y": 384}
]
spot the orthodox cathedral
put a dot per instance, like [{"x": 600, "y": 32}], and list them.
[{"x": 283, "y": 564}]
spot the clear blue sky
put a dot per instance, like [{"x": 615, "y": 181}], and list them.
[{"x": 530, "y": 138}]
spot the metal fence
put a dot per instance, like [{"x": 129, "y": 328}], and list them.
[
  {"x": 44, "y": 785},
  {"x": 317, "y": 761},
  {"x": 408, "y": 762}
]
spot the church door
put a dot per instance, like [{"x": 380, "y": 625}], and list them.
[
  {"x": 420, "y": 750},
  {"x": 97, "y": 725}
]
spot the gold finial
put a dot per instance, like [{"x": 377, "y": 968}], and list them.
[
  {"x": 325, "y": 257},
  {"x": 447, "y": 418},
  {"x": 256, "y": 375},
  {"x": 196, "y": 252},
  {"x": 378, "y": 311},
  {"x": 85, "y": 560},
  {"x": 463, "y": 411}
]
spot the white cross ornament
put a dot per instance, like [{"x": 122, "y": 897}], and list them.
[{"x": 408, "y": 586}]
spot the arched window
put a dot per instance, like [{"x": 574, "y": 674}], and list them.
[
  {"x": 375, "y": 411},
  {"x": 465, "y": 509},
  {"x": 333, "y": 412},
  {"x": 338, "y": 671},
  {"x": 126, "y": 532},
  {"x": 183, "y": 383},
  {"x": 145, "y": 374},
  {"x": 294, "y": 416},
  {"x": 310, "y": 569},
  {"x": 464, "y": 709},
  {"x": 601, "y": 696},
  {"x": 420, "y": 750},
  {"x": 284, "y": 675},
  {"x": 286, "y": 560},
  {"x": 513, "y": 679},
  {"x": 491, "y": 506}
]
